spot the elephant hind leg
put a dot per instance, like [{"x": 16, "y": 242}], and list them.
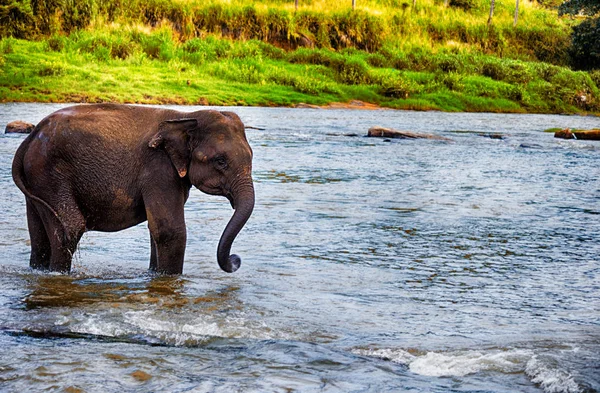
[
  {"x": 63, "y": 249},
  {"x": 40, "y": 243},
  {"x": 153, "y": 256},
  {"x": 63, "y": 235}
]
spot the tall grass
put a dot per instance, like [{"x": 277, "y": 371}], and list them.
[
  {"x": 134, "y": 64},
  {"x": 317, "y": 23},
  {"x": 238, "y": 52}
]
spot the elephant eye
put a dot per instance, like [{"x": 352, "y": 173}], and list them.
[{"x": 220, "y": 162}]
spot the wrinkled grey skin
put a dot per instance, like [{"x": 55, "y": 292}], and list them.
[{"x": 109, "y": 167}]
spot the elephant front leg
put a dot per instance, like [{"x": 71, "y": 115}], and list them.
[{"x": 168, "y": 236}]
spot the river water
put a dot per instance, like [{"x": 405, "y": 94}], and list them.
[{"x": 368, "y": 266}]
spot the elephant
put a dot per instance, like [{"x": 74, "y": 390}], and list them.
[{"x": 107, "y": 167}]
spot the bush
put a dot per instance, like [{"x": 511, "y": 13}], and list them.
[
  {"x": 378, "y": 60},
  {"x": 494, "y": 70},
  {"x": 314, "y": 56},
  {"x": 351, "y": 71},
  {"x": 239, "y": 71},
  {"x": 450, "y": 80},
  {"x": 510, "y": 71},
  {"x": 271, "y": 51},
  {"x": 104, "y": 46},
  {"x": 585, "y": 45},
  {"x": 465, "y": 5},
  {"x": 514, "y": 93},
  {"x": 158, "y": 45},
  {"x": 50, "y": 69},
  {"x": 401, "y": 62},
  {"x": 393, "y": 85},
  {"x": 421, "y": 60},
  {"x": 97, "y": 45},
  {"x": 595, "y": 77},
  {"x": 7, "y": 45},
  {"x": 546, "y": 71},
  {"x": 199, "y": 51},
  {"x": 16, "y": 19},
  {"x": 56, "y": 43},
  {"x": 448, "y": 64},
  {"x": 122, "y": 48}
]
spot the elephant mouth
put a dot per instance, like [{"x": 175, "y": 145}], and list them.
[{"x": 219, "y": 192}]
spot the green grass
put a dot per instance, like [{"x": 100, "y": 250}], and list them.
[
  {"x": 240, "y": 53},
  {"x": 138, "y": 67}
]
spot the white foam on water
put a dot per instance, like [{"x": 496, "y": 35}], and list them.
[
  {"x": 551, "y": 379},
  {"x": 469, "y": 362},
  {"x": 461, "y": 363},
  {"x": 399, "y": 356},
  {"x": 174, "y": 331},
  {"x": 94, "y": 324}
]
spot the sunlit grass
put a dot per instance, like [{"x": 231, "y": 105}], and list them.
[
  {"x": 133, "y": 66},
  {"x": 235, "y": 52}
]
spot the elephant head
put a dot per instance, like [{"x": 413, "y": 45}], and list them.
[{"x": 210, "y": 149}]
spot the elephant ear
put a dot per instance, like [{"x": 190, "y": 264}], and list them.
[{"x": 173, "y": 137}]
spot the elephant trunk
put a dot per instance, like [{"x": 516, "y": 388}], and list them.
[{"x": 243, "y": 202}]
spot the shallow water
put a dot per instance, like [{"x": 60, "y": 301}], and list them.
[{"x": 368, "y": 266}]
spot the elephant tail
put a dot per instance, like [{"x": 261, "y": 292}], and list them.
[{"x": 18, "y": 174}]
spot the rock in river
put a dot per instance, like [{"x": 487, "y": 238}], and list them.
[
  {"x": 383, "y": 132},
  {"x": 593, "y": 135},
  {"x": 19, "y": 127}
]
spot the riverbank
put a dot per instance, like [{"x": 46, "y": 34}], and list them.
[
  {"x": 421, "y": 57},
  {"x": 215, "y": 71}
]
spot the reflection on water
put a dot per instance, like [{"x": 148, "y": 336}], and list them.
[
  {"x": 69, "y": 291},
  {"x": 368, "y": 266}
]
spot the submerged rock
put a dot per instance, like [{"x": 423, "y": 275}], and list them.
[
  {"x": 302, "y": 105},
  {"x": 18, "y": 127},
  {"x": 492, "y": 135},
  {"x": 141, "y": 376},
  {"x": 382, "y": 132},
  {"x": 567, "y": 133}
]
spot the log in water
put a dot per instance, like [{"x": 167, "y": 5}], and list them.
[
  {"x": 588, "y": 135},
  {"x": 384, "y": 132}
]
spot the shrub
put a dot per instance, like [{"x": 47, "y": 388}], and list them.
[
  {"x": 158, "y": 45},
  {"x": 315, "y": 56},
  {"x": 239, "y": 71},
  {"x": 450, "y": 80},
  {"x": 6, "y": 45},
  {"x": 465, "y": 5},
  {"x": 209, "y": 49},
  {"x": 104, "y": 46},
  {"x": 514, "y": 93},
  {"x": 393, "y": 85},
  {"x": 448, "y": 64},
  {"x": 351, "y": 71},
  {"x": 546, "y": 71},
  {"x": 401, "y": 62},
  {"x": 122, "y": 48},
  {"x": 56, "y": 43},
  {"x": 271, "y": 51},
  {"x": 16, "y": 19},
  {"x": 97, "y": 45},
  {"x": 419, "y": 59},
  {"x": 378, "y": 60},
  {"x": 585, "y": 45},
  {"x": 595, "y": 77},
  {"x": 50, "y": 69},
  {"x": 495, "y": 70}
]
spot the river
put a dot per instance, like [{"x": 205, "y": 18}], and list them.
[{"x": 368, "y": 266}]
